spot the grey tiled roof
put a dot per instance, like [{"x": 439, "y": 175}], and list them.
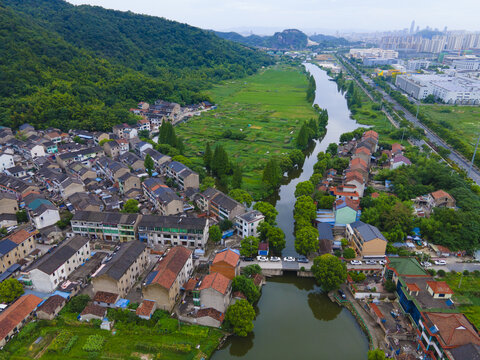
[{"x": 123, "y": 259}]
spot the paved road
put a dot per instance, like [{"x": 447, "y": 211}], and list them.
[
  {"x": 278, "y": 265},
  {"x": 432, "y": 137}
]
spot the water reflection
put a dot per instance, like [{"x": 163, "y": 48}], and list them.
[
  {"x": 240, "y": 346},
  {"x": 322, "y": 307}
]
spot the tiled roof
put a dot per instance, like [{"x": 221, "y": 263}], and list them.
[
  {"x": 106, "y": 297},
  {"x": 406, "y": 266},
  {"x": 145, "y": 308},
  {"x": 367, "y": 231},
  {"x": 440, "y": 193},
  {"x": 172, "y": 221},
  {"x": 376, "y": 310},
  {"x": 358, "y": 162},
  {"x": 454, "y": 329},
  {"x": 15, "y": 313},
  {"x": 92, "y": 309},
  {"x": 413, "y": 287},
  {"x": 190, "y": 284},
  {"x": 170, "y": 266},
  {"x": 52, "y": 304},
  {"x": 21, "y": 235},
  {"x": 215, "y": 281},
  {"x": 123, "y": 259},
  {"x": 439, "y": 287},
  {"x": 211, "y": 312},
  {"x": 370, "y": 133},
  {"x": 228, "y": 256}
]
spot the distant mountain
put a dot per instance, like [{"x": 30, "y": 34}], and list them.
[
  {"x": 83, "y": 67},
  {"x": 290, "y": 39}
]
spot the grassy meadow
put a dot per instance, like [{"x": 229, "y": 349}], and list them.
[{"x": 268, "y": 107}]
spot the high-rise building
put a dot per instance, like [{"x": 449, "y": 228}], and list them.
[{"x": 412, "y": 27}]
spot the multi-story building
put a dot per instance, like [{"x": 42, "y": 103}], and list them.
[
  {"x": 214, "y": 292},
  {"x": 227, "y": 263},
  {"x": 8, "y": 203},
  {"x": 415, "y": 65},
  {"x": 104, "y": 225},
  {"x": 164, "y": 282},
  {"x": 247, "y": 224},
  {"x": 373, "y": 53},
  {"x": 216, "y": 203},
  {"x": 111, "y": 169},
  {"x": 16, "y": 247},
  {"x": 158, "y": 158},
  {"x": 183, "y": 176},
  {"x": 366, "y": 239},
  {"x": 83, "y": 156},
  {"x": 165, "y": 200},
  {"x": 173, "y": 230},
  {"x": 54, "y": 267},
  {"x": 120, "y": 273},
  {"x": 6, "y": 161},
  {"x": 18, "y": 187}
]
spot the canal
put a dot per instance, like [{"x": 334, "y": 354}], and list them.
[{"x": 295, "y": 320}]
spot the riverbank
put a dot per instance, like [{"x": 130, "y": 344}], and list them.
[{"x": 269, "y": 108}]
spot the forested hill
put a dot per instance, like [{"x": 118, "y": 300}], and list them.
[{"x": 82, "y": 66}]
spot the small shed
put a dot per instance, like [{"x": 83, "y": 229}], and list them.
[{"x": 263, "y": 249}]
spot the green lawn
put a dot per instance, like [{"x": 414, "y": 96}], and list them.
[
  {"x": 165, "y": 340},
  {"x": 464, "y": 121},
  {"x": 269, "y": 107}
]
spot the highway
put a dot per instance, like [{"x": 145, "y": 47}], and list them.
[{"x": 431, "y": 136}]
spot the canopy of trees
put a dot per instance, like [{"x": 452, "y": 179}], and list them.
[
  {"x": 329, "y": 271},
  {"x": 239, "y": 317},
  {"x": 10, "y": 289}
]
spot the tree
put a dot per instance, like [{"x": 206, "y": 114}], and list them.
[
  {"x": 306, "y": 240},
  {"x": 305, "y": 210},
  {"x": 22, "y": 216},
  {"x": 65, "y": 220},
  {"x": 276, "y": 238},
  {"x": 76, "y": 304},
  {"x": 329, "y": 271},
  {"x": 247, "y": 287},
  {"x": 220, "y": 165},
  {"x": 182, "y": 159},
  {"x": 237, "y": 177},
  {"x": 326, "y": 202},
  {"x": 376, "y": 354},
  {"x": 214, "y": 233},
  {"x": 297, "y": 157},
  {"x": 272, "y": 173},
  {"x": 208, "y": 182},
  {"x": 241, "y": 196},
  {"x": 316, "y": 179},
  {"x": 149, "y": 164},
  {"x": 251, "y": 270},
  {"x": 130, "y": 206},
  {"x": 207, "y": 157},
  {"x": 390, "y": 286},
  {"x": 268, "y": 210},
  {"x": 332, "y": 149},
  {"x": 304, "y": 188},
  {"x": 303, "y": 137},
  {"x": 349, "y": 253},
  {"x": 239, "y": 317},
  {"x": 249, "y": 246},
  {"x": 10, "y": 289},
  {"x": 225, "y": 225},
  {"x": 145, "y": 134},
  {"x": 357, "y": 276}
]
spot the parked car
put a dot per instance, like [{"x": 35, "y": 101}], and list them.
[
  {"x": 382, "y": 262},
  {"x": 440, "y": 262},
  {"x": 262, "y": 258},
  {"x": 289, "y": 258},
  {"x": 302, "y": 259},
  {"x": 356, "y": 262},
  {"x": 275, "y": 258},
  {"x": 247, "y": 258},
  {"x": 342, "y": 294},
  {"x": 371, "y": 262},
  {"x": 426, "y": 264}
]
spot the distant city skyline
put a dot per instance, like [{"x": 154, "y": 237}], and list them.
[{"x": 326, "y": 16}]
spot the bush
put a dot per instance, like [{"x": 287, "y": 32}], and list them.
[
  {"x": 476, "y": 273},
  {"x": 432, "y": 272},
  {"x": 70, "y": 344},
  {"x": 60, "y": 341},
  {"x": 252, "y": 270},
  {"x": 441, "y": 273},
  {"x": 349, "y": 253},
  {"x": 466, "y": 272},
  {"x": 94, "y": 343},
  {"x": 357, "y": 277},
  {"x": 390, "y": 286}
]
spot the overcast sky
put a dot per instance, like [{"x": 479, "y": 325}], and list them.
[{"x": 307, "y": 15}]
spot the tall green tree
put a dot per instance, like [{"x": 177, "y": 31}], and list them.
[
  {"x": 304, "y": 188},
  {"x": 303, "y": 137},
  {"x": 239, "y": 317},
  {"x": 329, "y": 271},
  {"x": 207, "y": 157},
  {"x": 208, "y": 182},
  {"x": 237, "y": 177},
  {"x": 130, "y": 206},
  {"x": 306, "y": 240},
  {"x": 305, "y": 210},
  {"x": 241, "y": 196},
  {"x": 272, "y": 173},
  {"x": 249, "y": 246},
  {"x": 247, "y": 287},
  {"x": 268, "y": 210},
  {"x": 10, "y": 289},
  {"x": 214, "y": 233},
  {"x": 149, "y": 164},
  {"x": 276, "y": 238},
  {"x": 220, "y": 164},
  {"x": 376, "y": 354}
]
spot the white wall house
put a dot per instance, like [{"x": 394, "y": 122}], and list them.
[
  {"x": 6, "y": 161},
  {"x": 247, "y": 224},
  {"x": 53, "y": 268},
  {"x": 44, "y": 216}
]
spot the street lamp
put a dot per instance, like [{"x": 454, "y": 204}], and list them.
[{"x": 473, "y": 157}]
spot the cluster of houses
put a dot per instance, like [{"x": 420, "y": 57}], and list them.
[{"x": 438, "y": 328}]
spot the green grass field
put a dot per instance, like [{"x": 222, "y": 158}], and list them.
[
  {"x": 269, "y": 107},
  {"x": 166, "y": 340},
  {"x": 464, "y": 121}
]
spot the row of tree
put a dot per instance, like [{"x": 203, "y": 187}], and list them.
[{"x": 312, "y": 129}]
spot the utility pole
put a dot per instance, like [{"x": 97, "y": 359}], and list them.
[
  {"x": 473, "y": 157},
  {"x": 403, "y": 134},
  {"x": 418, "y": 108}
]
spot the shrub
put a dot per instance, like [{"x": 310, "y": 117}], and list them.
[
  {"x": 70, "y": 344},
  {"x": 441, "y": 273},
  {"x": 453, "y": 272},
  {"x": 60, "y": 341},
  {"x": 466, "y": 272},
  {"x": 94, "y": 343},
  {"x": 476, "y": 273},
  {"x": 390, "y": 286},
  {"x": 349, "y": 253},
  {"x": 432, "y": 272}
]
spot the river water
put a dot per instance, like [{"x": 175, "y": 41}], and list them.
[{"x": 295, "y": 320}]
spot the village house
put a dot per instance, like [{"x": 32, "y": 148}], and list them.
[
  {"x": 356, "y": 180},
  {"x": 92, "y": 312},
  {"x": 399, "y": 160},
  {"x": 120, "y": 273},
  {"x": 84, "y": 156},
  {"x": 182, "y": 175},
  {"x": 105, "y": 299},
  {"x": 6, "y": 161},
  {"x": 42, "y": 212},
  {"x": 71, "y": 186},
  {"x": 215, "y": 291},
  {"x": 173, "y": 230},
  {"x": 441, "y": 198},
  {"x": 146, "y": 309},
  {"x": 17, "y": 171},
  {"x": 16, "y": 186},
  {"x": 247, "y": 224},
  {"x": 127, "y": 182},
  {"x": 209, "y": 317},
  {"x": 133, "y": 161},
  {"x": 32, "y": 150},
  {"x": 227, "y": 263},
  {"x": 14, "y": 317},
  {"x": 163, "y": 284},
  {"x": 111, "y": 148},
  {"x": 158, "y": 158},
  {"x": 81, "y": 171},
  {"x": 141, "y": 147},
  {"x": 7, "y": 220},
  {"x": 165, "y": 200},
  {"x": 346, "y": 211},
  {"x": 325, "y": 238},
  {"x": 85, "y": 202},
  {"x": 5, "y": 135},
  {"x": 363, "y": 153},
  {"x": 8, "y": 203},
  {"x": 111, "y": 169},
  {"x": 51, "y": 307},
  {"x": 108, "y": 226},
  {"x": 222, "y": 206},
  {"x": 359, "y": 165},
  {"x": 54, "y": 267},
  {"x": 366, "y": 239},
  {"x": 16, "y": 247}
]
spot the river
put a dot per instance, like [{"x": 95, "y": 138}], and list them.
[{"x": 295, "y": 320}]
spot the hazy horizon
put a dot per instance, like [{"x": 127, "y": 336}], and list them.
[{"x": 326, "y": 16}]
